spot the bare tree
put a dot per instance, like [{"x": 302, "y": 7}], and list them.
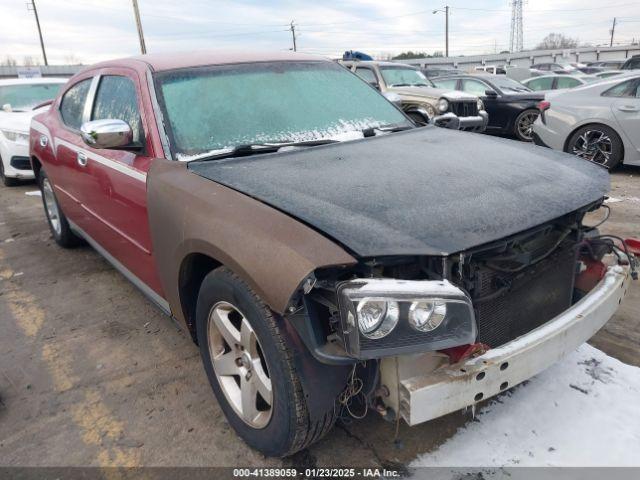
[
  {"x": 555, "y": 41},
  {"x": 29, "y": 61},
  {"x": 71, "y": 59},
  {"x": 9, "y": 61}
]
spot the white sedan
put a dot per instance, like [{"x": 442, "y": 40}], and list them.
[
  {"x": 558, "y": 82},
  {"x": 18, "y": 97},
  {"x": 599, "y": 122}
]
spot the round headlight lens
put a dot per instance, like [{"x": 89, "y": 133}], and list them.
[
  {"x": 443, "y": 105},
  {"x": 480, "y": 104},
  {"x": 376, "y": 318},
  {"x": 426, "y": 316}
]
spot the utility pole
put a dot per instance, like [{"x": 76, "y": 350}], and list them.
[
  {"x": 613, "y": 30},
  {"x": 293, "y": 36},
  {"x": 446, "y": 28},
  {"x": 32, "y": 4},
  {"x": 136, "y": 11}
]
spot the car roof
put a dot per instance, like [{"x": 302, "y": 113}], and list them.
[
  {"x": 380, "y": 63},
  {"x": 169, "y": 61},
  {"x": 31, "y": 81}
]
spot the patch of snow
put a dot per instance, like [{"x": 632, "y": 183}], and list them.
[
  {"x": 34, "y": 193},
  {"x": 613, "y": 200},
  {"x": 583, "y": 411}
]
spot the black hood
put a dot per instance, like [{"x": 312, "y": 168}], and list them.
[
  {"x": 523, "y": 96},
  {"x": 427, "y": 191}
]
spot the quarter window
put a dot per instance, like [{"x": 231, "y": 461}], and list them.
[
  {"x": 116, "y": 99},
  {"x": 72, "y": 104},
  {"x": 624, "y": 89}
]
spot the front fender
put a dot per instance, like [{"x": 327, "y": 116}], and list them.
[{"x": 268, "y": 249}]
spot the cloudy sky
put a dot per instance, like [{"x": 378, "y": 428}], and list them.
[{"x": 91, "y": 30}]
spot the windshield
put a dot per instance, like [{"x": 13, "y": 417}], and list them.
[
  {"x": 404, "y": 77},
  {"x": 216, "y": 108},
  {"x": 506, "y": 84},
  {"x": 27, "y": 96}
]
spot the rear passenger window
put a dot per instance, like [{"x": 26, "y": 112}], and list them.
[
  {"x": 116, "y": 99},
  {"x": 541, "y": 84},
  {"x": 72, "y": 104},
  {"x": 367, "y": 75},
  {"x": 448, "y": 84},
  {"x": 567, "y": 82}
]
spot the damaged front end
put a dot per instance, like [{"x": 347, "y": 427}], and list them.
[{"x": 418, "y": 329}]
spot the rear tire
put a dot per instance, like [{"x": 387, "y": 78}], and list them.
[
  {"x": 597, "y": 143},
  {"x": 278, "y": 425},
  {"x": 523, "y": 125},
  {"x": 58, "y": 223},
  {"x": 7, "y": 181}
]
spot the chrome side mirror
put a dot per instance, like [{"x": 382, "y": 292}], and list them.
[{"x": 108, "y": 133}]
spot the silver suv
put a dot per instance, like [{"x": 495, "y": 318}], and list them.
[{"x": 420, "y": 99}]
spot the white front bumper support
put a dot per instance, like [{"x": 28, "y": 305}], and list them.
[{"x": 454, "y": 387}]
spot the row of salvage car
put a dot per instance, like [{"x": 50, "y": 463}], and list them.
[{"x": 595, "y": 118}]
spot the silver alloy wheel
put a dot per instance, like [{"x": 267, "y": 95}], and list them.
[
  {"x": 594, "y": 145},
  {"x": 525, "y": 125},
  {"x": 239, "y": 365},
  {"x": 52, "y": 206}
]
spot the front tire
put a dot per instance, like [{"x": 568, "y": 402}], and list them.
[
  {"x": 597, "y": 143},
  {"x": 251, "y": 369},
  {"x": 58, "y": 223},
  {"x": 7, "y": 181},
  {"x": 523, "y": 128}
]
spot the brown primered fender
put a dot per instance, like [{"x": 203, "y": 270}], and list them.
[{"x": 270, "y": 250}]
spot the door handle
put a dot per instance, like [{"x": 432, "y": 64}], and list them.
[
  {"x": 82, "y": 159},
  {"x": 628, "y": 108}
]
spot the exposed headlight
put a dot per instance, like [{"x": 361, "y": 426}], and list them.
[
  {"x": 443, "y": 105},
  {"x": 427, "y": 316},
  {"x": 16, "y": 137},
  {"x": 376, "y": 317},
  {"x": 480, "y": 104},
  {"x": 382, "y": 317}
]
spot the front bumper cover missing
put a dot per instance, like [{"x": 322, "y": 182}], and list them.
[{"x": 455, "y": 387}]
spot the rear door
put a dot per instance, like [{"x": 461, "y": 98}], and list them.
[
  {"x": 114, "y": 191},
  {"x": 626, "y": 108}
]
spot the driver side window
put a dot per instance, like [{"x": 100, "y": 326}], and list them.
[
  {"x": 474, "y": 87},
  {"x": 116, "y": 99}
]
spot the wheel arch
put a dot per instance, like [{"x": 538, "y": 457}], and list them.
[
  {"x": 588, "y": 123},
  {"x": 193, "y": 269}
]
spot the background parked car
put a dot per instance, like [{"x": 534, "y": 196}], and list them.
[
  {"x": 610, "y": 64},
  {"x": 419, "y": 96},
  {"x": 632, "y": 64},
  {"x": 18, "y": 96},
  {"x": 511, "y": 106},
  {"x": 599, "y": 122},
  {"x": 608, "y": 73},
  {"x": 492, "y": 69},
  {"x": 558, "y": 82},
  {"x": 437, "y": 71},
  {"x": 552, "y": 67}
]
